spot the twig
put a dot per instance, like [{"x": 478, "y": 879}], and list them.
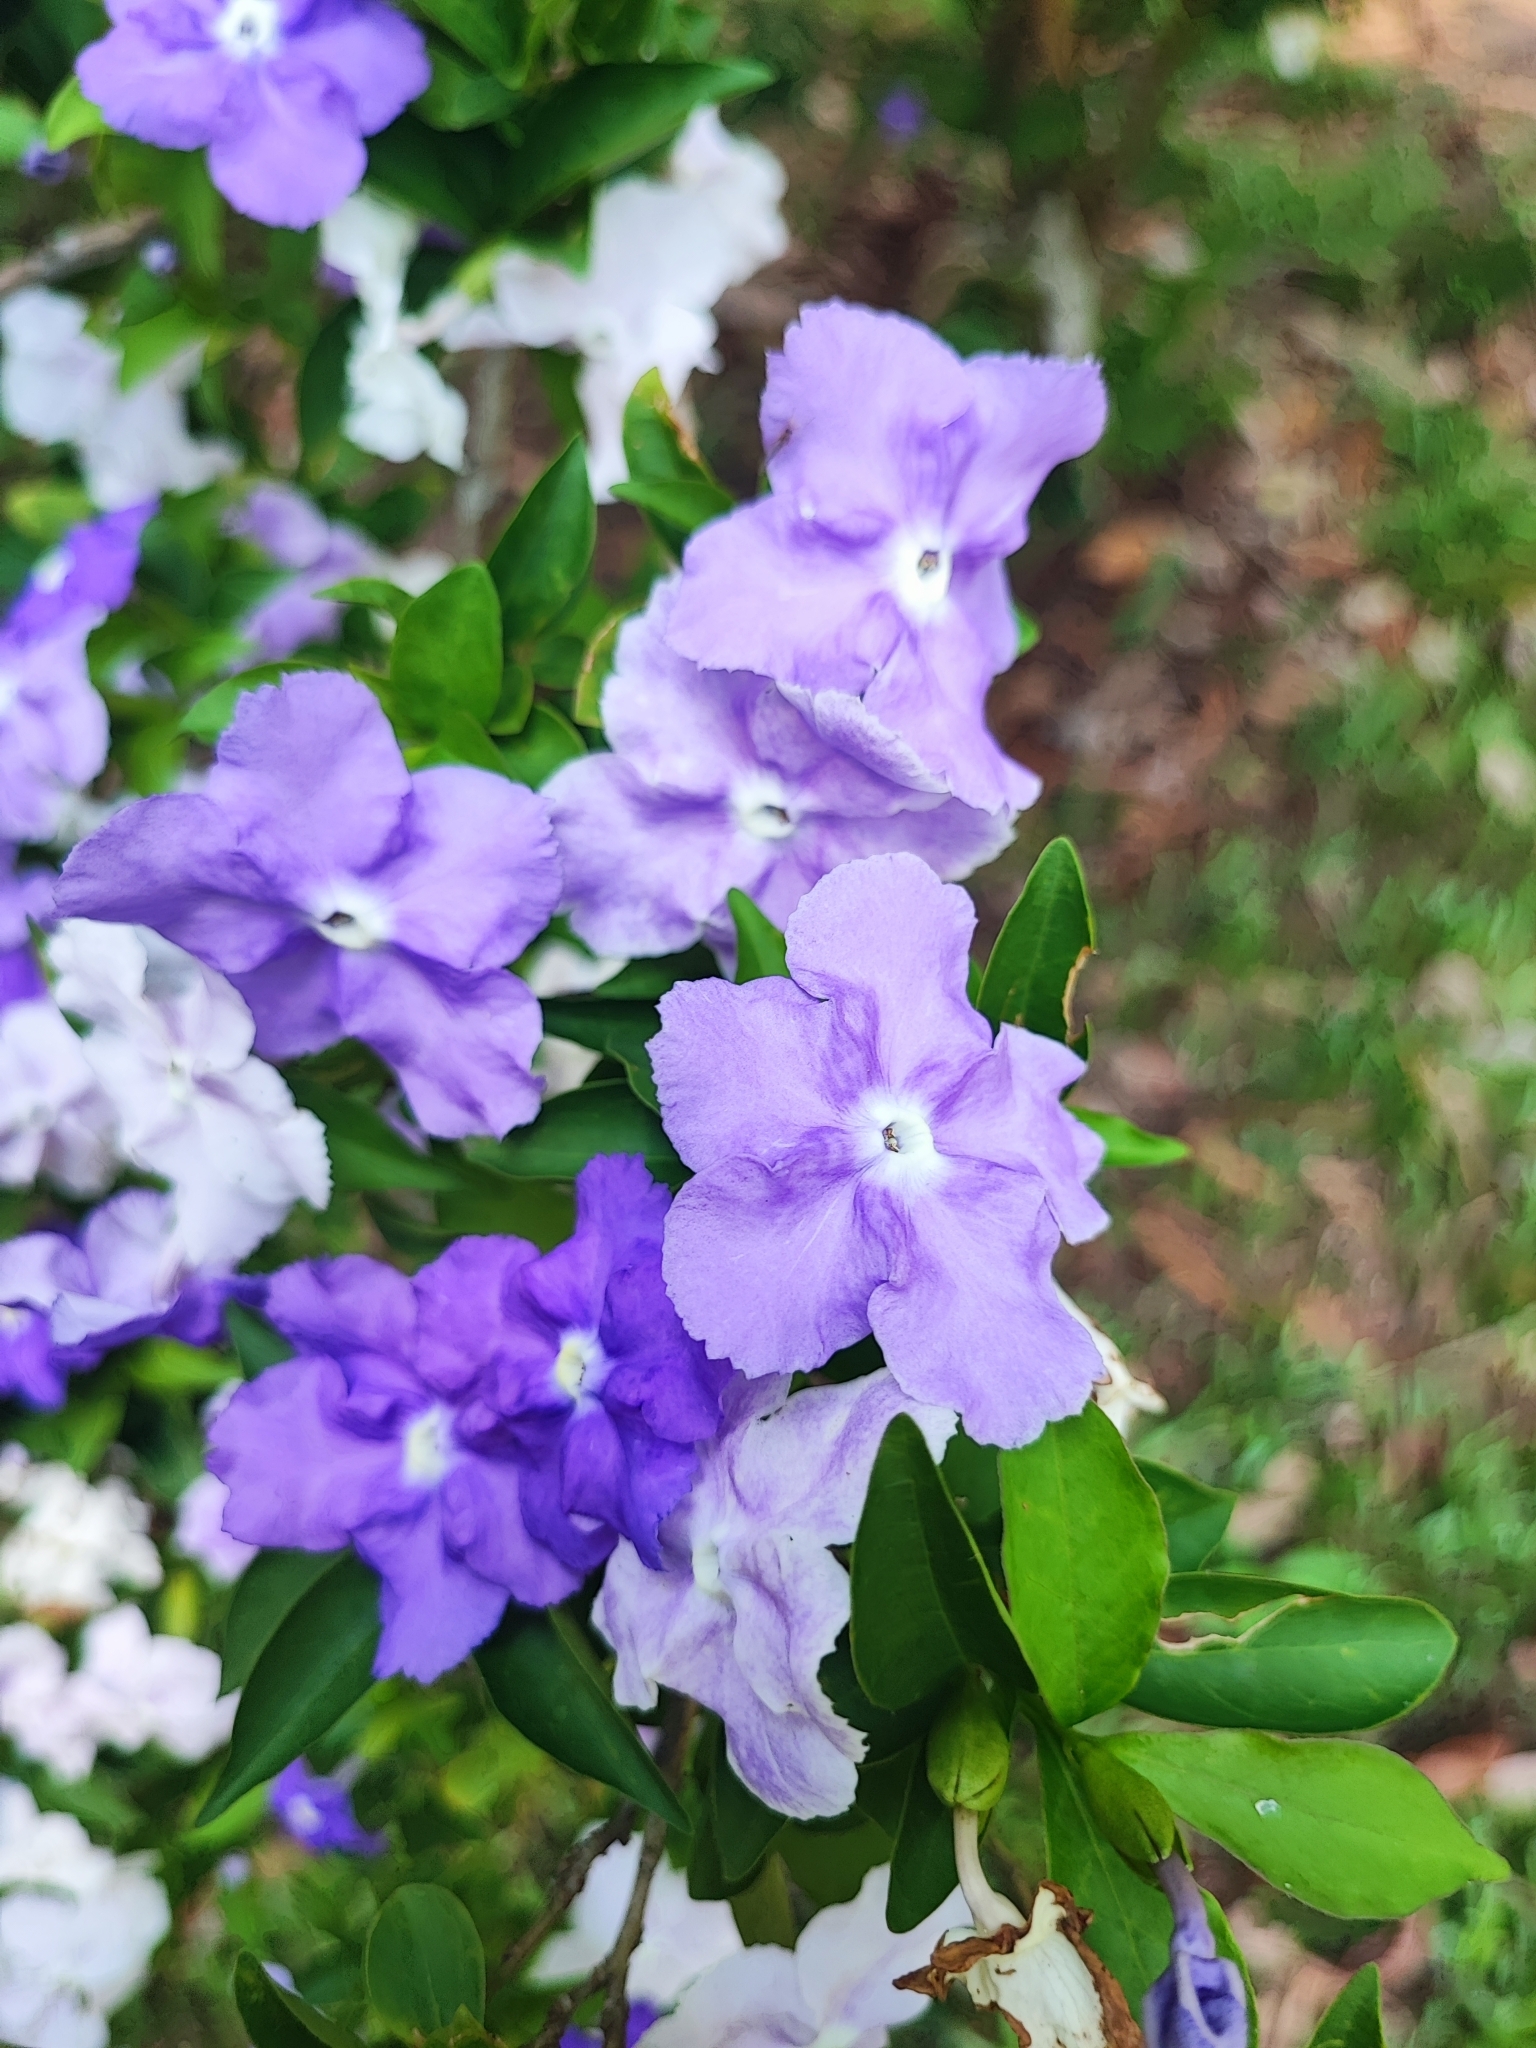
[
  {"x": 78, "y": 249},
  {"x": 616, "y": 2003},
  {"x": 568, "y": 1881}
]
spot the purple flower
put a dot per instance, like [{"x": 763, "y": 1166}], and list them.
[
  {"x": 717, "y": 782},
  {"x": 903, "y": 114},
  {"x": 317, "y": 1812},
  {"x": 25, "y": 899},
  {"x": 43, "y": 165},
  {"x": 866, "y": 1157},
  {"x": 88, "y": 575},
  {"x": 64, "y": 1304},
  {"x": 1199, "y": 2000},
  {"x": 375, "y": 904},
  {"x": 281, "y": 92},
  {"x": 160, "y": 257},
  {"x": 901, "y": 479},
  {"x": 750, "y": 1599},
  {"x": 288, "y": 526},
  {"x": 642, "y": 2018}
]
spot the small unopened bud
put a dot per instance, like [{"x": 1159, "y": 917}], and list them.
[
  {"x": 1128, "y": 1809},
  {"x": 968, "y": 1751}
]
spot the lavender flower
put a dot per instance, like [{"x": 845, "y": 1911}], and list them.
[
  {"x": 200, "y": 1532},
  {"x": 716, "y": 782},
  {"x": 281, "y": 92},
  {"x": 44, "y": 166},
  {"x": 903, "y": 114},
  {"x": 296, "y": 535},
  {"x": 89, "y": 574},
  {"x": 317, "y": 1812},
  {"x": 1199, "y": 2000},
  {"x": 867, "y": 1158},
  {"x": 749, "y": 1598},
  {"x": 53, "y": 726},
  {"x": 379, "y": 905},
  {"x": 901, "y": 478},
  {"x": 26, "y": 898}
]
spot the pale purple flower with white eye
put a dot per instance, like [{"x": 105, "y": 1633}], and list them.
[
  {"x": 378, "y": 904},
  {"x": 1199, "y": 2001},
  {"x": 901, "y": 476},
  {"x": 281, "y": 92},
  {"x": 200, "y": 1533},
  {"x": 716, "y": 782},
  {"x": 867, "y": 1157},
  {"x": 317, "y": 1812},
  {"x": 750, "y": 1598},
  {"x": 293, "y": 531}
]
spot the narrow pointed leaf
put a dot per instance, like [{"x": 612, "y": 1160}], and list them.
[
  {"x": 270, "y": 1587},
  {"x": 446, "y": 654},
  {"x": 1354, "y": 2018},
  {"x": 1047, "y": 936},
  {"x": 277, "y": 2018},
  {"x": 1195, "y": 1515},
  {"x": 759, "y": 942},
  {"x": 547, "y": 547}
]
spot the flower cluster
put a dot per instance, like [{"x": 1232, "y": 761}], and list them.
[{"x": 72, "y": 1542}]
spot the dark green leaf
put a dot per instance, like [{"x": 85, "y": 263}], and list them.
[
  {"x": 422, "y": 1961},
  {"x": 744, "y": 1828},
  {"x": 605, "y": 1116},
  {"x": 923, "y": 1605},
  {"x": 547, "y": 741},
  {"x": 1047, "y": 937},
  {"x": 1281, "y": 1657},
  {"x": 318, "y": 1662},
  {"x": 275, "y": 2018},
  {"x": 257, "y": 1345},
  {"x": 888, "y": 1730},
  {"x": 1126, "y": 1144},
  {"x": 460, "y": 180},
  {"x": 681, "y": 504},
  {"x": 619, "y": 1029},
  {"x": 268, "y": 1590},
  {"x": 759, "y": 942},
  {"x": 447, "y": 649},
  {"x": 323, "y": 383},
  {"x": 492, "y": 34},
  {"x": 461, "y": 95},
  {"x": 542, "y": 1677},
  {"x": 365, "y": 1151},
  {"x": 547, "y": 548},
  {"x": 1354, "y": 2018},
  {"x": 1195, "y": 1515},
  {"x": 1344, "y": 1826},
  {"x": 652, "y": 978},
  {"x": 1086, "y": 1559},
  {"x": 923, "y": 1863},
  {"x": 829, "y": 1861}
]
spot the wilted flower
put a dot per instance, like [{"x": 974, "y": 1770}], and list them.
[
  {"x": 281, "y": 92},
  {"x": 317, "y": 1812},
  {"x": 1199, "y": 2001}
]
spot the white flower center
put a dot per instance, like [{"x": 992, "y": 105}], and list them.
[
  {"x": 896, "y": 1142},
  {"x": 920, "y": 572},
  {"x": 759, "y": 805},
  {"x": 579, "y": 1352},
  {"x": 706, "y": 1569},
  {"x": 303, "y": 1814},
  {"x": 12, "y": 1320},
  {"x": 48, "y": 575},
  {"x": 350, "y": 916},
  {"x": 249, "y": 29},
  {"x": 426, "y": 1451},
  {"x": 10, "y": 689}
]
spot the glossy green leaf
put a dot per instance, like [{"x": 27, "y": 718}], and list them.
[
  {"x": 365, "y": 1151},
  {"x": 70, "y": 117},
  {"x": 150, "y": 344},
  {"x": 373, "y": 591},
  {"x": 1194, "y": 1515},
  {"x": 266, "y": 1593},
  {"x": 20, "y": 128},
  {"x": 1264, "y": 1654},
  {"x": 492, "y": 34},
  {"x": 462, "y": 95},
  {"x": 923, "y": 1605},
  {"x": 622, "y": 1030},
  {"x": 323, "y": 385},
  {"x": 1343, "y": 1826},
  {"x": 317, "y": 1663},
  {"x": 1354, "y": 2018},
  {"x": 742, "y": 1827},
  {"x": 1127, "y": 1144},
  {"x": 604, "y": 1116},
  {"x": 547, "y": 741},
  {"x": 446, "y": 653},
  {"x": 461, "y": 180},
  {"x": 683, "y": 504},
  {"x": 1086, "y": 1561},
  {"x": 464, "y": 740},
  {"x": 666, "y": 472},
  {"x": 423, "y": 1961},
  {"x": 547, "y": 547},
  {"x": 277, "y": 2018},
  {"x": 759, "y": 942},
  {"x": 542, "y": 1677},
  {"x": 1045, "y": 940},
  {"x": 594, "y": 122},
  {"x": 652, "y": 978},
  {"x": 923, "y": 1861}
]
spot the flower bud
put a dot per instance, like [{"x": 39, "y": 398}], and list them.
[
  {"x": 968, "y": 1751},
  {"x": 1127, "y": 1808},
  {"x": 1199, "y": 2001}
]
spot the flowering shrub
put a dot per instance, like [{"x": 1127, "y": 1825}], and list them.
[{"x": 715, "y": 1421}]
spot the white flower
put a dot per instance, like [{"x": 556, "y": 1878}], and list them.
[
  {"x": 170, "y": 1049},
  {"x": 51, "y": 1113},
  {"x": 59, "y": 383},
  {"x": 200, "y": 1532},
  {"x": 34, "y": 1710},
  {"x": 1293, "y": 39},
  {"x": 661, "y": 252},
  {"x": 682, "y": 1937},
  {"x": 74, "y": 1541},
  {"x": 133, "y": 1688},
  {"x": 77, "y": 1927},
  {"x": 398, "y": 404},
  {"x": 834, "y": 1987}
]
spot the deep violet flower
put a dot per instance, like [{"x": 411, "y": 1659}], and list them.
[
  {"x": 89, "y": 574},
  {"x": 901, "y": 477},
  {"x": 379, "y": 904},
  {"x": 866, "y": 1157},
  {"x": 317, "y": 1812},
  {"x": 1199, "y": 2000},
  {"x": 717, "y": 782},
  {"x": 281, "y": 92}
]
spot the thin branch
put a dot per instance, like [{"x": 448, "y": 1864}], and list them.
[
  {"x": 76, "y": 249},
  {"x": 616, "y": 2003},
  {"x": 568, "y": 1881}
]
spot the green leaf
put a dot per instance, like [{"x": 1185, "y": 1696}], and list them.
[
  {"x": 605, "y": 1116},
  {"x": 1343, "y": 1826},
  {"x": 652, "y": 978},
  {"x": 760, "y": 947},
  {"x": 596, "y": 667},
  {"x": 542, "y": 1677},
  {"x": 461, "y": 740},
  {"x": 447, "y": 649},
  {"x": 151, "y": 344},
  {"x": 1228, "y": 1947},
  {"x": 546, "y": 549},
  {"x": 70, "y": 117},
  {"x": 923, "y": 1605},
  {"x": 665, "y": 469},
  {"x": 680, "y": 504},
  {"x": 1086, "y": 1560},
  {"x": 208, "y": 716},
  {"x": 1354, "y": 2018},
  {"x": 372, "y": 591},
  {"x": 622, "y": 1030},
  {"x": 461, "y": 95},
  {"x": 743, "y": 1828},
  {"x": 316, "y": 1664},
  {"x": 365, "y": 1151},
  {"x": 1126, "y": 1144},
  {"x": 163, "y": 1365},
  {"x": 1195, "y": 1515},
  {"x": 1045, "y": 940},
  {"x": 275, "y": 2018},
  {"x": 323, "y": 385},
  {"x": 492, "y": 34},
  {"x": 923, "y": 1863},
  {"x": 1283, "y": 1657},
  {"x": 547, "y": 741},
  {"x": 422, "y": 1961},
  {"x": 256, "y": 1344},
  {"x": 593, "y": 123},
  {"x": 266, "y": 1593},
  {"x": 20, "y": 127}
]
